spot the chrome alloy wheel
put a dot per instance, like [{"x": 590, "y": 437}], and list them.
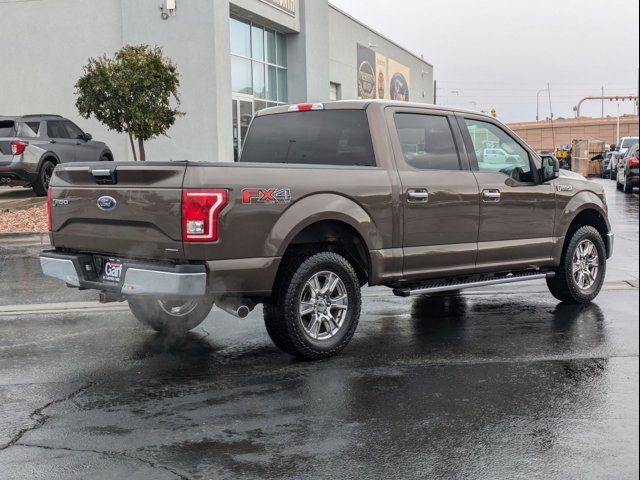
[
  {"x": 585, "y": 264},
  {"x": 323, "y": 305},
  {"x": 178, "y": 308}
]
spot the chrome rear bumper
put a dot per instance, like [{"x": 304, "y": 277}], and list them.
[{"x": 138, "y": 278}]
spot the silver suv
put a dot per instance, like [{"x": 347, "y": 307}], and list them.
[{"x": 32, "y": 145}]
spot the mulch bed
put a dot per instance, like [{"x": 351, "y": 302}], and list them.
[{"x": 32, "y": 219}]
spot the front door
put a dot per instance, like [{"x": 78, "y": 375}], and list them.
[
  {"x": 439, "y": 194},
  {"x": 517, "y": 213}
]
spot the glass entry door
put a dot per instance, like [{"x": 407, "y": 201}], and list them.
[{"x": 242, "y": 114}]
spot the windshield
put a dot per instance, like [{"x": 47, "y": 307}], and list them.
[
  {"x": 629, "y": 142},
  {"x": 7, "y": 128}
]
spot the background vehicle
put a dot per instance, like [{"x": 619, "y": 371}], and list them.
[
  {"x": 32, "y": 145},
  {"x": 606, "y": 164},
  {"x": 627, "y": 170},
  {"x": 325, "y": 199},
  {"x": 621, "y": 150}
]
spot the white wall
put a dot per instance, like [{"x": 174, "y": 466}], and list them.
[{"x": 42, "y": 57}]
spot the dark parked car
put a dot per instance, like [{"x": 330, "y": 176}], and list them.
[
  {"x": 606, "y": 164},
  {"x": 627, "y": 174},
  {"x": 32, "y": 145}
]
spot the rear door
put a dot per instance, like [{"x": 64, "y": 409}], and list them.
[
  {"x": 439, "y": 193},
  {"x": 126, "y": 210},
  {"x": 61, "y": 142},
  {"x": 517, "y": 213}
]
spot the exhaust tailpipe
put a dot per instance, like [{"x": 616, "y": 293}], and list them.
[{"x": 238, "y": 307}]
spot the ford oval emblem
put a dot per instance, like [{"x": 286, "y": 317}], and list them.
[{"x": 107, "y": 203}]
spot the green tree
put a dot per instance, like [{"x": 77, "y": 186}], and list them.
[{"x": 135, "y": 92}]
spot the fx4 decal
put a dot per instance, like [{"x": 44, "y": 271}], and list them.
[{"x": 269, "y": 196}]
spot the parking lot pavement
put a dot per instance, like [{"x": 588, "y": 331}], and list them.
[{"x": 496, "y": 383}]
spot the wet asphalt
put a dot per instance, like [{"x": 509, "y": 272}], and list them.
[{"x": 501, "y": 382}]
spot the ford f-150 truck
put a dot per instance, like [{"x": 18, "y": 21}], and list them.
[{"x": 325, "y": 199}]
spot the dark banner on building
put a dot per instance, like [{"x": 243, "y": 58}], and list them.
[
  {"x": 381, "y": 77},
  {"x": 366, "y": 72}
]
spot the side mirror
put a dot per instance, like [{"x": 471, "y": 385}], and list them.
[
  {"x": 550, "y": 169},
  {"x": 87, "y": 137}
]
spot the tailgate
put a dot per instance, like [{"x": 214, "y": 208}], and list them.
[{"x": 130, "y": 210}]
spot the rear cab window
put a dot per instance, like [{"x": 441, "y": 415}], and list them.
[{"x": 322, "y": 137}]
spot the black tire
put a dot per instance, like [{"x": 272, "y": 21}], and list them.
[
  {"x": 626, "y": 188},
  {"x": 156, "y": 313},
  {"x": 41, "y": 185},
  {"x": 282, "y": 318},
  {"x": 105, "y": 158},
  {"x": 564, "y": 285},
  {"x": 612, "y": 175}
]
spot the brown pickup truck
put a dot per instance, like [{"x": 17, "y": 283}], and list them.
[{"x": 325, "y": 199}]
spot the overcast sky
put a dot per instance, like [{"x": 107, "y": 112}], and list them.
[{"x": 499, "y": 53}]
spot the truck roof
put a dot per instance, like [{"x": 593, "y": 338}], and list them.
[{"x": 364, "y": 104}]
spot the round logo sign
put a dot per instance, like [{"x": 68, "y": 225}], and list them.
[
  {"x": 399, "y": 88},
  {"x": 106, "y": 203},
  {"x": 366, "y": 81}
]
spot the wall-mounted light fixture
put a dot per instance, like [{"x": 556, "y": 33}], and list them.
[{"x": 168, "y": 9}]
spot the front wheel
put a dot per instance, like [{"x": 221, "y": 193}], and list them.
[
  {"x": 316, "y": 306},
  {"x": 580, "y": 275},
  {"x": 173, "y": 316}
]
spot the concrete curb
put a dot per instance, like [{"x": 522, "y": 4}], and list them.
[{"x": 24, "y": 239}]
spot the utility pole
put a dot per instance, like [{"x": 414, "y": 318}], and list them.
[
  {"x": 618, "y": 126},
  {"x": 538, "y": 104},
  {"x": 553, "y": 133},
  {"x": 435, "y": 91},
  {"x": 602, "y": 114}
]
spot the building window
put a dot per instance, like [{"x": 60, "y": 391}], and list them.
[
  {"x": 258, "y": 62},
  {"x": 258, "y": 74},
  {"x": 334, "y": 91}
]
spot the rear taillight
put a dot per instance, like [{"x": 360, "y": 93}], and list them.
[
  {"x": 18, "y": 146},
  {"x": 200, "y": 211},
  {"x": 49, "y": 224},
  {"x": 633, "y": 162}
]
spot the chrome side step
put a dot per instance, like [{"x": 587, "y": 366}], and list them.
[{"x": 444, "y": 286}]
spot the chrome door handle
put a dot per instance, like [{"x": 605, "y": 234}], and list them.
[
  {"x": 418, "y": 196},
  {"x": 491, "y": 195}
]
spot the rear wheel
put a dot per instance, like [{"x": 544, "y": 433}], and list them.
[
  {"x": 41, "y": 185},
  {"x": 170, "y": 315},
  {"x": 626, "y": 188},
  {"x": 316, "y": 306},
  {"x": 580, "y": 275}
]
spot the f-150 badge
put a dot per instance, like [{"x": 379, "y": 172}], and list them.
[{"x": 269, "y": 196}]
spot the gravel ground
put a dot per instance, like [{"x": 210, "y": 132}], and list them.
[{"x": 32, "y": 219}]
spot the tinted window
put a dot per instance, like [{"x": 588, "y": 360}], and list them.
[
  {"x": 427, "y": 141},
  {"x": 326, "y": 137},
  {"x": 497, "y": 151},
  {"x": 56, "y": 129},
  {"x": 6, "y": 128},
  {"x": 72, "y": 130}
]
